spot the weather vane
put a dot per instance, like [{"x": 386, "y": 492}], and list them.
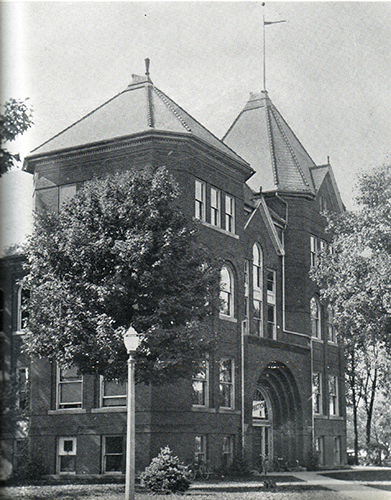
[{"x": 265, "y": 23}]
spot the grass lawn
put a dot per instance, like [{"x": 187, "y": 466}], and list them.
[{"x": 116, "y": 492}]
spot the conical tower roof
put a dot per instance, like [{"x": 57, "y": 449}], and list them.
[
  {"x": 139, "y": 109},
  {"x": 261, "y": 136}
]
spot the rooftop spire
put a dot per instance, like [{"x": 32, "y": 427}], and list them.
[{"x": 264, "y": 42}]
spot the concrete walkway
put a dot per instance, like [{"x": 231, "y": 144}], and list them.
[
  {"x": 349, "y": 489},
  {"x": 345, "y": 489}
]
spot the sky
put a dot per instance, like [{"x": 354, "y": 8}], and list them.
[{"x": 328, "y": 72}]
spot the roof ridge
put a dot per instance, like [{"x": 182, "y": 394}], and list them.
[
  {"x": 272, "y": 151},
  {"x": 171, "y": 108},
  {"x": 287, "y": 143}
]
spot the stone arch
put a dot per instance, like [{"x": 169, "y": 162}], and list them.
[{"x": 278, "y": 382}]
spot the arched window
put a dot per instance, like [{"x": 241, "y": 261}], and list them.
[
  {"x": 315, "y": 318},
  {"x": 227, "y": 292},
  {"x": 258, "y": 289}
]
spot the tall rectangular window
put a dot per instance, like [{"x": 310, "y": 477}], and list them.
[
  {"x": 258, "y": 318},
  {"x": 271, "y": 304},
  {"x": 22, "y": 400},
  {"x": 215, "y": 207},
  {"x": 229, "y": 213},
  {"x": 200, "y": 448},
  {"x": 226, "y": 379},
  {"x": 319, "y": 448},
  {"x": 66, "y": 458},
  {"x": 317, "y": 393},
  {"x": 200, "y": 385},
  {"x": 22, "y": 318},
  {"x": 69, "y": 388},
  {"x": 313, "y": 251},
  {"x": 200, "y": 200},
  {"x": 246, "y": 323},
  {"x": 113, "y": 454},
  {"x": 113, "y": 393},
  {"x": 333, "y": 395},
  {"x": 228, "y": 450},
  {"x": 332, "y": 332},
  {"x": 337, "y": 450}
]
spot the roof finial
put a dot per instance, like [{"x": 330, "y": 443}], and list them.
[{"x": 147, "y": 61}]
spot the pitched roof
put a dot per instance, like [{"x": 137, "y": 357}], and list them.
[
  {"x": 140, "y": 108},
  {"x": 319, "y": 174},
  {"x": 262, "y": 137}
]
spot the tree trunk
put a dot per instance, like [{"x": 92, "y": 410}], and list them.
[{"x": 369, "y": 409}]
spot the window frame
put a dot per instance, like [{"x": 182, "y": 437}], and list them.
[
  {"x": 313, "y": 251},
  {"x": 104, "y": 397},
  {"x": 271, "y": 304},
  {"x": 331, "y": 329},
  {"x": 228, "y": 447},
  {"x": 22, "y": 314},
  {"x": 215, "y": 207},
  {"x": 230, "y": 384},
  {"x": 257, "y": 288},
  {"x": 202, "y": 446},
  {"x": 59, "y": 383},
  {"x": 229, "y": 213},
  {"x": 200, "y": 203},
  {"x": 317, "y": 394},
  {"x": 316, "y": 321},
  {"x": 105, "y": 454},
  {"x": 333, "y": 396},
  {"x": 205, "y": 385},
  {"x": 227, "y": 296},
  {"x": 246, "y": 273},
  {"x": 61, "y": 452}
]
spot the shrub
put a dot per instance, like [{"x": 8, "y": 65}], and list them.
[{"x": 166, "y": 473}]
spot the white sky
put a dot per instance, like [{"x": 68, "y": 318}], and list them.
[{"x": 328, "y": 72}]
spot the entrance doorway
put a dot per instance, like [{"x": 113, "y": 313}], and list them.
[{"x": 262, "y": 421}]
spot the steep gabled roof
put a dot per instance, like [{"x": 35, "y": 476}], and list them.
[
  {"x": 140, "y": 108},
  {"x": 319, "y": 174},
  {"x": 262, "y": 137}
]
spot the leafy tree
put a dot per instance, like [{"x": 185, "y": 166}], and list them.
[
  {"x": 355, "y": 279},
  {"x": 17, "y": 118},
  {"x": 121, "y": 253}
]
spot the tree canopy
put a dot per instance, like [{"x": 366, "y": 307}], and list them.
[
  {"x": 354, "y": 277},
  {"x": 121, "y": 253},
  {"x": 16, "y": 119}
]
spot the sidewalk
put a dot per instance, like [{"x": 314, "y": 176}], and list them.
[
  {"x": 346, "y": 489},
  {"x": 349, "y": 489}
]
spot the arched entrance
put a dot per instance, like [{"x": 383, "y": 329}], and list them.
[{"x": 277, "y": 415}]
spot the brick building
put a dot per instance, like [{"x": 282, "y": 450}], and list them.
[{"x": 274, "y": 385}]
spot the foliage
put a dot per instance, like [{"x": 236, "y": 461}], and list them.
[
  {"x": 166, "y": 474},
  {"x": 121, "y": 253},
  {"x": 16, "y": 119},
  {"x": 355, "y": 279}
]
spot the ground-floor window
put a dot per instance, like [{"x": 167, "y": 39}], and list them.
[
  {"x": 113, "y": 454},
  {"x": 228, "y": 450},
  {"x": 66, "y": 463},
  {"x": 337, "y": 450},
  {"x": 319, "y": 448},
  {"x": 200, "y": 448}
]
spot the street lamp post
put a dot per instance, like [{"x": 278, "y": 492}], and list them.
[{"x": 131, "y": 341}]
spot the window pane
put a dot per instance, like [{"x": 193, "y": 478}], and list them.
[
  {"x": 114, "y": 388},
  {"x": 113, "y": 463},
  {"x": 67, "y": 463},
  {"x": 114, "y": 444},
  {"x": 70, "y": 393}
]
